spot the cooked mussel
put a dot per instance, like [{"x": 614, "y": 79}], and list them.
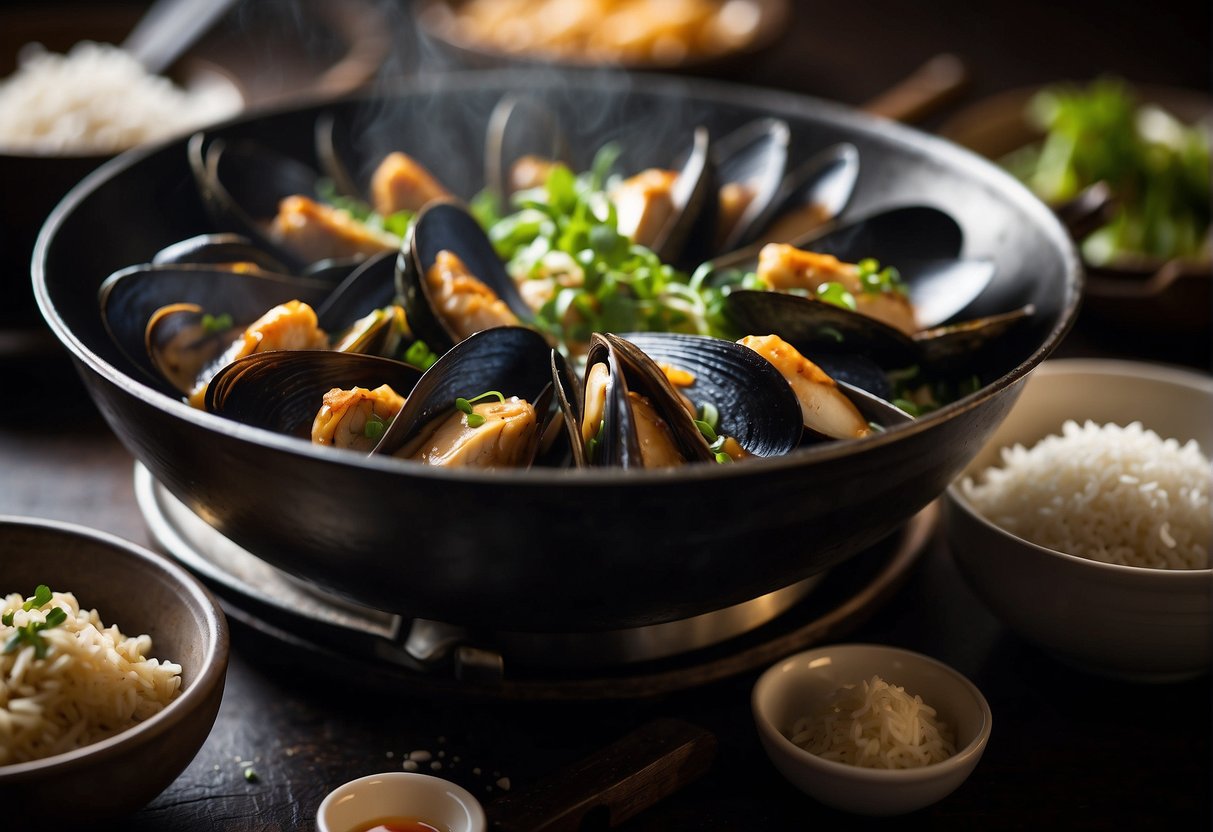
[
  {"x": 451, "y": 280},
  {"x": 523, "y": 141},
  {"x": 754, "y": 404},
  {"x": 485, "y": 403},
  {"x": 283, "y": 391},
  {"x": 815, "y": 193},
  {"x": 750, "y": 165},
  {"x": 131, "y": 298},
  {"x": 629, "y": 414},
  {"x": 273, "y": 200},
  {"x": 223, "y": 249}
]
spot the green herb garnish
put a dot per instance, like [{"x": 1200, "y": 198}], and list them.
[
  {"x": 420, "y": 355},
  {"x": 40, "y": 598},
  {"x": 836, "y": 294},
  {"x": 215, "y": 324},
  {"x": 708, "y": 432},
  {"x": 374, "y": 427},
  {"x": 591, "y": 445},
  {"x": 30, "y": 634},
  {"x": 250, "y": 775},
  {"x": 7, "y": 618},
  {"x": 464, "y": 406},
  {"x": 709, "y": 414}
]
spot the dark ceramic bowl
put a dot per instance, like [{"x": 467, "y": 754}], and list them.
[
  {"x": 546, "y": 549},
  {"x": 140, "y": 592}
]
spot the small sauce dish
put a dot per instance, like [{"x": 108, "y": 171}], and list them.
[
  {"x": 398, "y": 798},
  {"x": 796, "y": 686}
]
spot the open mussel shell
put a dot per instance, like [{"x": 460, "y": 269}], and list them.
[
  {"x": 814, "y": 326},
  {"x": 242, "y": 184},
  {"x": 907, "y": 234},
  {"x": 631, "y": 370},
  {"x": 219, "y": 249},
  {"x": 334, "y": 152},
  {"x": 959, "y": 343},
  {"x": 519, "y": 126},
  {"x": 756, "y": 405},
  {"x": 857, "y": 371},
  {"x": 689, "y": 235},
  {"x": 282, "y": 390},
  {"x": 371, "y": 285},
  {"x": 811, "y": 195},
  {"x": 513, "y": 360},
  {"x": 754, "y": 156},
  {"x": 447, "y": 226},
  {"x": 129, "y": 299}
]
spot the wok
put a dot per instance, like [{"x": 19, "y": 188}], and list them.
[{"x": 554, "y": 550}]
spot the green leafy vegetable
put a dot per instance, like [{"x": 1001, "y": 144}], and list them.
[
  {"x": 1157, "y": 167},
  {"x": 420, "y": 355}
]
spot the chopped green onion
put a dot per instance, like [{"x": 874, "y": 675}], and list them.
[
  {"x": 7, "y": 618},
  {"x": 41, "y": 597},
  {"x": 250, "y": 775},
  {"x": 420, "y": 355},
  {"x": 710, "y": 414},
  {"x": 373, "y": 429}
]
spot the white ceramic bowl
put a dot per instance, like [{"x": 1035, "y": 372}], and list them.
[
  {"x": 794, "y": 687},
  {"x": 400, "y": 794},
  {"x": 1119, "y": 621}
]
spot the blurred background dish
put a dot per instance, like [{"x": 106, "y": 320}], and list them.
[
  {"x": 696, "y": 36},
  {"x": 1129, "y": 622},
  {"x": 139, "y": 592},
  {"x": 1146, "y": 247},
  {"x": 267, "y": 52}
]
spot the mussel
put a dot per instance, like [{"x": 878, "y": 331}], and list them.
[
  {"x": 451, "y": 280},
  {"x": 523, "y": 141}
]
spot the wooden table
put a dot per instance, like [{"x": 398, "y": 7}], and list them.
[{"x": 1068, "y": 750}]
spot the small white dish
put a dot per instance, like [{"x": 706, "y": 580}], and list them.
[
  {"x": 794, "y": 687},
  {"x": 1125, "y": 622},
  {"x": 400, "y": 794}
]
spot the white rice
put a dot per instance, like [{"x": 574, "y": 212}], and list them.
[
  {"x": 875, "y": 724},
  {"x": 94, "y": 682},
  {"x": 98, "y": 99},
  {"x": 1114, "y": 494}
]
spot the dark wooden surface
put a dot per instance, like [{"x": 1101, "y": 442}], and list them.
[{"x": 1068, "y": 750}]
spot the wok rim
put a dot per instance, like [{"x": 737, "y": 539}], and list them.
[{"x": 883, "y": 131}]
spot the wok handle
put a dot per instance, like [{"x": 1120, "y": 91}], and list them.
[
  {"x": 612, "y": 785},
  {"x": 921, "y": 92}
]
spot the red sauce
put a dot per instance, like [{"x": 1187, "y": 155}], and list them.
[{"x": 398, "y": 824}]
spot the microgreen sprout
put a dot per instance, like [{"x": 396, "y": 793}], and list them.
[
  {"x": 214, "y": 324},
  {"x": 709, "y": 414},
  {"x": 40, "y": 598},
  {"x": 836, "y": 294},
  {"x": 464, "y": 406},
  {"x": 708, "y": 432}
]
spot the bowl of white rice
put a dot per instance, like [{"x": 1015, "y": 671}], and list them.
[
  {"x": 1085, "y": 523},
  {"x": 112, "y": 667},
  {"x": 871, "y": 729}
]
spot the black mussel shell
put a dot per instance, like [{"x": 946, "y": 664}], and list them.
[
  {"x": 688, "y": 238},
  {"x": 242, "y": 184},
  {"x": 334, "y": 152},
  {"x": 513, "y": 360},
  {"x": 446, "y": 225},
  {"x": 856, "y": 371},
  {"x": 219, "y": 249},
  {"x": 631, "y": 370},
  {"x": 567, "y": 389},
  {"x": 819, "y": 188},
  {"x": 130, "y": 297},
  {"x": 372, "y": 285},
  {"x": 756, "y": 405},
  {"x": 755, "y": 155},
  {"x": 519, "y": 126},
  {"x": 959, "y": 343},
  {"x": 814, "y": 327},
  {"x": 282, "y": 390}
]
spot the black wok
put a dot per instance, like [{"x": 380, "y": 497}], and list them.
[{"x": 554, "y": 550}]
